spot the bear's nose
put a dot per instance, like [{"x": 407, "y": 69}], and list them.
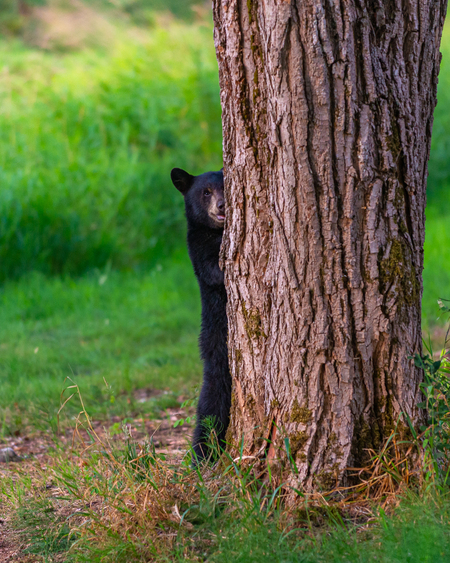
[{"x": 221, "y": 205}]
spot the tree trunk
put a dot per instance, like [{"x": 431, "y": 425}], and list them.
[{"x": 327, "y": 118}]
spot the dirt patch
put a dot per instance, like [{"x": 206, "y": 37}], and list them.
[
  {"x": 8, "y": 547},
  {"x": 12, "y": 547},
  {"x": 35, "y": 451},
  {"x": 73, "y": 26},
  {"x": 163, "y": 434}
]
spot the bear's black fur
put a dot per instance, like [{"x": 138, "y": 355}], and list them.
[{"x": 205, "y": 214}]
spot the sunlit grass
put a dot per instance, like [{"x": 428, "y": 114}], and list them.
[
  {"x": 87, "y": 141},
  {"x": 130, "y": 331},
  {"x": 436, "y": 275}
]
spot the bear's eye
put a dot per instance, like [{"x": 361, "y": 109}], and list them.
[{"x": 207, "y": 192}]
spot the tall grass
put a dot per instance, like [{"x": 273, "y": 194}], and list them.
[
  {"x": 87, "y": 140},
  {"x": 439, "y": 165},
  {"x": 86, "y": 144}
]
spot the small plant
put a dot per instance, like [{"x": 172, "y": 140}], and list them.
[
  {"x": 186, "y": 405},
  {"x": 140, "y": 458},
  {"x": 436, "y": 390}
]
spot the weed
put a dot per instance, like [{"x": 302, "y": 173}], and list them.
[
  {"x": 436, "y": 390},
  {"x": 188, "y": 405}
]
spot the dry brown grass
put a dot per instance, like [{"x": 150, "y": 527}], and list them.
[{"x": 127, "y": 496}]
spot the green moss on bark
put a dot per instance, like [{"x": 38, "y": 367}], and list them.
[
  {"x": 250, "y": 11},
  {"x": 397, "y": 270},
  {"x": 253, "y": 323},
  {"x": 296, "y": 441},
  {"x": 300, "y": 414}
]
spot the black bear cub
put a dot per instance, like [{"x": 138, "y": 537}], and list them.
[{"x": 205, "y": 214}]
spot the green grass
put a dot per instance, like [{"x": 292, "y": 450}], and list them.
[
  {"x": 418, "y": 533},
  {"x": 436, "y": 274},
  {"x": 439, "y": 165},
  {"x": 224, "y": 517},
  {"x": 96, "y": 284},
  {"x": 87, "y": 141},
  {"x": 132, "y": 331}
]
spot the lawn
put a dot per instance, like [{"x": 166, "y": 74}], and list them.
[{"x": 111, "y": 333}]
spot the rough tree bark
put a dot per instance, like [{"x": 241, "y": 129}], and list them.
[{"x": 327, "y": 117}]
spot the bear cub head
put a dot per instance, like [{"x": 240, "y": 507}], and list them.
[{"x": 203, "y": 197}]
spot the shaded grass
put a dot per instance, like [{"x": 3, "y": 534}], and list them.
[{"x": 132, "y": 331}]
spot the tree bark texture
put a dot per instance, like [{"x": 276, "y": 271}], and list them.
[{"x": 327, "y": 117}]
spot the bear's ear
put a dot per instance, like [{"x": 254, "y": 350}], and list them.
[{"x": 181, "y": 180}]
